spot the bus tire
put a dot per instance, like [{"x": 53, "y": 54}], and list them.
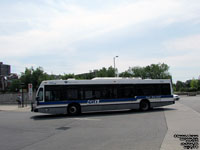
[
  {"x": 144, "y": 105},
  {"x": 74, "y": 109}
]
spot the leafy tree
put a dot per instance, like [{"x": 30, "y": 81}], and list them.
[
  {"x": 180, "y": 86},
  {"x": 110, "y": 72},
  {"x": 138, "y": 72},
  {"x": 187, "y": 84},
  {"x": 174, "y": 87},
  {"x": 38, "y": 76},
  {"x": 26, "y": 77},
  {"x": 127, "y": 73},
  {"x": 194, "y": 85},
  {"x": 67, "y": 76},
  {"x": 34, "y": 76},
  {"x": 104, "y": 72},
  {"x": 198, "y": 85},
  {"x": 153, "y": 71},
  {"x": 157, "y": 71},
  {"x": 14, "y": 85}
]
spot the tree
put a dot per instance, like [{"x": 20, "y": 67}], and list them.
[
  {"x": 34, "y": 76},
  {"x": 26, "y": 77},
  {"x": 198, "y": 85},
  {"x": 180, "y": 86},
  {"x": 126, "y": 74},
  {"x": 67, "y": 76},
  {"x": 14, "y": 85},
  {"x": 187, "y": 84},
  {"x": 103, "y": 72},
  {"x": 153, "y": 71},
  {"x": 194, "y": 85},
  {"x": 138, "y": 72},
  {"x": 110, "y": 72},
  {"x": 157, "y": 71}
]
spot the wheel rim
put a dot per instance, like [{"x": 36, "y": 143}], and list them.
[
  {"x": 73, "y": 110},
  {"x": 144, "y": 106}
]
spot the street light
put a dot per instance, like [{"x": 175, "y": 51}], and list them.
[{"x": 114, "y": 64}]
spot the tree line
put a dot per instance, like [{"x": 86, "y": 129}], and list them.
[
  {"x": 187, "y": 86},
  {"x": 153, "y": 71}
]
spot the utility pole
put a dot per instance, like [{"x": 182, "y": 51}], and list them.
[{"x": 114, "y": 64}]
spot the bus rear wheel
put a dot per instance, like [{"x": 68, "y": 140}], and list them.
[
  {"x": 144, "y": 105},
  {"x": 73, "y": 109}
]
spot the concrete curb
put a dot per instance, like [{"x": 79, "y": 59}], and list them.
[{"x": 181, "y": 120}]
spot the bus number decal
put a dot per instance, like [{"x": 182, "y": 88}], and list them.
[
  {"x": 153, "y": 97},
  {"x": 93, "y": 101}
]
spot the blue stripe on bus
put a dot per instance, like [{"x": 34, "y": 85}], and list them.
[{"x": 104, "y": 100}]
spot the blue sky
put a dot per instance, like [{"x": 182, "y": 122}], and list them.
[{"x": 76, "y": 36}]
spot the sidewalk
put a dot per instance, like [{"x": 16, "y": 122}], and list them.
[
  {"x": 15, "y": 108},
  {"x": 183, "y": 126}
]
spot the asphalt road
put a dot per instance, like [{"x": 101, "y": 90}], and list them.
[
  {"x": 121, "y": 130},
  {"x": 110, "y": 130},
  {"x": 192, "y": 102}
]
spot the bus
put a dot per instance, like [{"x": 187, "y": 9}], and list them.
[{"x": 101, "y": 94}]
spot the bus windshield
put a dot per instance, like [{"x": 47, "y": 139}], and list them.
[{"x": 40, "y": 95}]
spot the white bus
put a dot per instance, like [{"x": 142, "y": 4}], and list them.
[{"x": 99, "y": 94}]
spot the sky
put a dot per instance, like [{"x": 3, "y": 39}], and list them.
[{"x": 76, "y": 36}]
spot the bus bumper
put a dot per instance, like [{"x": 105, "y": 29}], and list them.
[{"x": 33, "y": 108}]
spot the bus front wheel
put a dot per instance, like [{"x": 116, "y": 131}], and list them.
[
  {"x": 73, "y": 109},
  {"x": 144, "y": 105}
]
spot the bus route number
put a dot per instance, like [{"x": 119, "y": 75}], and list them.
[{"x": 93, "y": 101}]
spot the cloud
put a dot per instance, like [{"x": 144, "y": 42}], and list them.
[
  {"x": 56, "y": 28},
  {"x": 188, "y": 43},
  {"x": 183, "y": 51},
  {"x": 183, "y": 56},
  {"x": 52, "y": 28}
]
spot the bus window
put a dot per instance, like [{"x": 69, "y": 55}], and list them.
[
  {"x": 107, "y": 92},
  {"x": 148, "y": 89},
  {"x": 165, "y": 89},
  {"x": 151, "y": 89},
  {"x": 52, "y": 93},
  {"x": 126, "y": 91},
  {"x": 72, "y": 94},
  {"x": 88, "y": 94}
]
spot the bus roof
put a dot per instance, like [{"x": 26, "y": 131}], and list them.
[{"x": 106, "y": 81}]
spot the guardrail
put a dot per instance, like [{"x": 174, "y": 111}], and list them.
[
  {"x": 192, "y": 93},
  {"x": 188, "y": 93}
]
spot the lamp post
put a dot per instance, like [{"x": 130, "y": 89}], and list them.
[{"x": 114, "y": 64}]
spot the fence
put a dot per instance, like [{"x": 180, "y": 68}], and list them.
[{"x": 11, "y": 98}]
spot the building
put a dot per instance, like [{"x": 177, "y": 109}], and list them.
[
  {"x": 3, "y": 83},
  {"x": 4, "y": 74},
  {"x": 4, "y": 69}
]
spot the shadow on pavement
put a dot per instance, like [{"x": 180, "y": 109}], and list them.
[{"x": 98, "y": 114}]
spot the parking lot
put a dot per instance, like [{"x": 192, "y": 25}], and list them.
[{"x": 127, "y": 130}]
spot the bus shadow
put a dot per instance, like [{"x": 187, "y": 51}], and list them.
[{"x": 98, "y": 114}]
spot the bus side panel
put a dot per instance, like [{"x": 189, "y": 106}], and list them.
[
  {"x": 159, "y": 104},
  {"x": 53, "y": 110},
  {"x": 90, "y": 108}
]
